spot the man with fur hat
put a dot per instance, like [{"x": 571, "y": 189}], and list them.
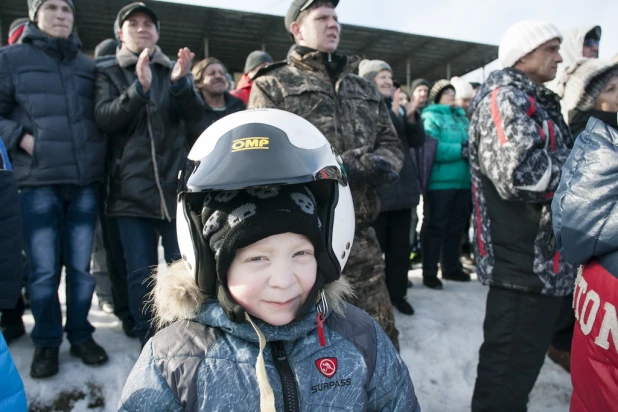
[
  {"x": 142, "y": 99},
  {"x": 255, "y": 61},
  {"x": 319, "y": 85},
  {"x": 58, "y": 155},
  {"x": 518, "y": 145}
]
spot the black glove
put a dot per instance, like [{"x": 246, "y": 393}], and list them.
[
  {"x": 381, "y": 170},
  {"x": 465, "y": 152}
]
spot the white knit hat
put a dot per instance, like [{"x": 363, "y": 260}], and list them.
[
  {"x": 523, "y": 37},
  {"x": 369, "y": 69},
  {"x": 583, "y": 81},
  {"x": 463, "y": 89}
]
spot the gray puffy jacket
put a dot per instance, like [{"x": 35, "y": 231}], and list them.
[
  {"x": 584, "y": 208},
  {"x": 208, "y": 363}
]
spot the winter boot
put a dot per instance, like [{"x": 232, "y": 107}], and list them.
[
  {"x": 44, "y": 363},
  {"x": 89, "y": 352},
  {"x": 403, "y": 306}
]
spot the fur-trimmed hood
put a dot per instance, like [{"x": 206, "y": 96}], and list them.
[{"x": 176, "y": 296}]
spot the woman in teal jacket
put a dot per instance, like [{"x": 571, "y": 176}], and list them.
[{"x": 447, "y": 202}]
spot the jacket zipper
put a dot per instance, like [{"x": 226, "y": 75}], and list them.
[
  {"x": 164, "y": 213},
  {"x": 288, "y": 382}
]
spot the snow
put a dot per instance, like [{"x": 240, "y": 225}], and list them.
[{"x": 439, "y": 344}]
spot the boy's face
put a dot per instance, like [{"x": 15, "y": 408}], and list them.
[{"x": 272, "y": 278}]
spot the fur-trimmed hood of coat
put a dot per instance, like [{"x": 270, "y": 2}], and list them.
[{"x": 176, "y": 295}]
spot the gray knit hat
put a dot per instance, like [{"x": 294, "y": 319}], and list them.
[
  {"x": 369, "y": 69},
  {"x": 255, "y": 58},
  {"x": 583, "y": 81},
  {"x": 418, "y": 82},
  {"x": 437, "y": 89},
  {"x": 35, "y": 5}
]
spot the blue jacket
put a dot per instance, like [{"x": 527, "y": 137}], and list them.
[
  {"x": 12, "y": 395},
  {"x": 209, "y": 364},
  {"x": 47, "y": 90},
  {"x": 585, "y": 219}
]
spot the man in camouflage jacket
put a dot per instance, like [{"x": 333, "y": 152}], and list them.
[
  {"x": 518, "y": 145},
  {"x": 319, "y": 85}
]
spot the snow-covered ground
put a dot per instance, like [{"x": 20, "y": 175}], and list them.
[{"x": 439, "y": 344}]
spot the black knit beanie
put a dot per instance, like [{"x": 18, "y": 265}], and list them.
[
  {"x": 236, "y": 219},
  {"x": 35, "y": 5}
]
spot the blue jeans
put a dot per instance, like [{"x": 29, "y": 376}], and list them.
[
  {"x": 140, "y": 240},
  {"x": 59, "y": 219}
]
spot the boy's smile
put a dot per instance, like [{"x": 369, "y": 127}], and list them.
[{"x": 272, "y": 278}]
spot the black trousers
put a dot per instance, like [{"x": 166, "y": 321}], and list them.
[
  {"x": 565, "y": 325},
  {"x": 13, "y": 316},
  {"x": 393, "y": 232},
  {"x": 445, "y": 215},
  {"x": 518, "y": 329}
]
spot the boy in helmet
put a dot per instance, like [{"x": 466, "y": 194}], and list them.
[{"x": 258, "y": 314}]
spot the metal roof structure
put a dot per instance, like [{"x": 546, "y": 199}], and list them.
[{"x": 231, "y": 35}]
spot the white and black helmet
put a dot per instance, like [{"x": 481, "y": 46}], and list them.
[{"x": 263, "y": 148}]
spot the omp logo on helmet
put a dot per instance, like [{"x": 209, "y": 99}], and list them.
[
  {"x": 250, "y": 143},
  {"x": 327, "y": 366}
]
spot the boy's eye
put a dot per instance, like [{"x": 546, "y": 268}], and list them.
[
  {"x": 303, "y": 253},
  {"x": 256, "y": 259}
]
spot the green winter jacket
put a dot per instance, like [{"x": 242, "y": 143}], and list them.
[{"x": 450, "y": 127}]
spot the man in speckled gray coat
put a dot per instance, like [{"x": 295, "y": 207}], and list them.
[
  {"x": 319, "y": 85},
  {"x": 518, "y": 145}
]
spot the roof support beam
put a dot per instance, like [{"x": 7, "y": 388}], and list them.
[
  {"x": 408, "y": 73},
  {"x": 206, "y": 48}
]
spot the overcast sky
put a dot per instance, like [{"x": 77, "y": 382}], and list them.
[{"x": 470, "y": 20}]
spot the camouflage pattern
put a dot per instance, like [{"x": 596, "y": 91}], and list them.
[
  {"x": 352, "y": 115},
  {"x": 519, "y": 141},
  {"x": 366, "y": 272}
]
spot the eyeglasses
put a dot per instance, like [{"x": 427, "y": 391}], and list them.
[{"x": 591, "y": 43}]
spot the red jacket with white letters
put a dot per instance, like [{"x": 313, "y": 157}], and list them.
[
  {"x": 585, "y": 219},
  {"x": 594, "y": 352}
]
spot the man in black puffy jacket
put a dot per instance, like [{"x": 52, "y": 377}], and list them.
[
  {"x": 142, "y": 99},
  {"x": 47, "y": 124}
]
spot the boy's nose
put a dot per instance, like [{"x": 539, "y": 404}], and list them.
[{"x": 282, "y": 277}]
